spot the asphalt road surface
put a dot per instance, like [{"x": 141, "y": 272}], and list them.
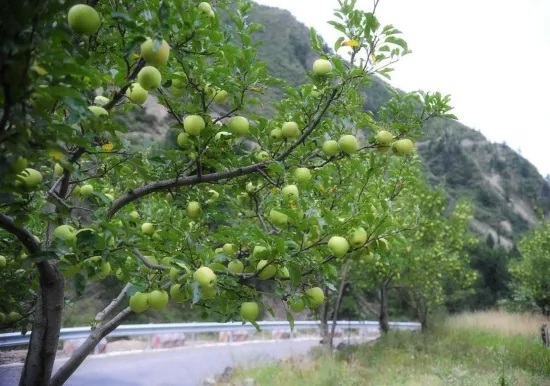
[{"x": 185, "y": 366}]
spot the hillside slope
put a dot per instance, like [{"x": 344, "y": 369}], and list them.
[{"x": 506, "y": 189}]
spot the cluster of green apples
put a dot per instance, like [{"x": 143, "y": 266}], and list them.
[
  {"x": 339, "y": 246},
  {"x": 400, "y": 147},
  {"x": 11, "y": 317},
  {"x": 156, "y": 299}
]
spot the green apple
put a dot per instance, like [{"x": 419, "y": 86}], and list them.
[
  {"x": 76, "y": 191},
  {"x": 260, "y": 252},
  {"x": 193, "y": 209},
  {"x": 358, "y": 237},
  {"x": 338, "y": 246},
  {"x": 19, "y": 165},
  {"x": 86, "y": 190},
  {"x": 208, "y": 292},
  {"x": 290, "y": 129},
  {"x": 183, "y": 140},
  {"x": 296, "y": 305},
  {"x": 157, "y": 299},
  {"x": 177, "y": 92},
  {"x": 322, "y": 67},
  {"x": 283, "y": 273},
  {"x": 193, "y": 124},
  {"x": 31, "y": 178},
  {"x": 98, "y": 111},
  {"x": 65, "y": 232},
  {"x": 110, "y": 196},
  {"x": 302, "y": 174},
  {"x": 278, "y": 218},
  {"x": 136, "y": 93},
  {"x": 3, "y": 261},
  {"x": 315, "y": 296},
  {"x": 268, "y": 272},
  {"x": 2, "y": 317},
  {"x": 330, "y": 148},
  {"x": 158, "y": 57},
  {"x": 214, "y": 196},
  {"x": 149, "y": 78},
  {"x": 211, "y": 14},
  {"x": 204, "y": 7},
  {"x": 218, "y": 251},
  {"x": 235, "y": 266},
  {"x": 139, "y": 302},
  {"x": 13, "y": 317},
  {"x": 147, "y": 228},
  {"x": 134, "y": 215},
  {"x": 348, "y": 143},
  {"x": 83, "y": 19},
  {"x": 276, "y": 134},
  {"x": 250, "y": 311},
  {"x": 221, "y": 96},
  {"x": 384, "y": 138},
  {"x": 177, "y": 293},
  {"x": 174, "y": 273},
  {"x": 204, "y": 276},
  {"x": 403, "y": 146},
  {"x": 239, "y": 126},
  {"x": 262, "y": 156},
  {"x": 100, "y": 100},
  {"x": 121, "y": 275},
  {"x": 229, "y": 249},
  {"x": 153, "y": 260},
  {"x": 57, "y": 170},
  {"x": 290, "y": 193}
]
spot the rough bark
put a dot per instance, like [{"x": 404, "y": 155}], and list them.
[
  {"x": 383, "y": 319},
  {"x": 323, "y": 316},
  {"x": 338, "y": 304}
]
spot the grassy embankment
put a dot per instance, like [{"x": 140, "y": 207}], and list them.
[{"x": 488, "y": 348}]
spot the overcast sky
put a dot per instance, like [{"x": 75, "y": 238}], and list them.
[{"x": 492, "y": 56}]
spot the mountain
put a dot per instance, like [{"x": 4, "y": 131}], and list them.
[{"x": 507, "y": 191}]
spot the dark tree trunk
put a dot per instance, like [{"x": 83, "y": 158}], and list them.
[
  {"x": 338, "y": 304},
  {"x": 323, "y": 316},
  {"x": 383, "y": 318}
]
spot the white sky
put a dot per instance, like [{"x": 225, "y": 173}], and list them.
[{"x": 492, "y": 56}]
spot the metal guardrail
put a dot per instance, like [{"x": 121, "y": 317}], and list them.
[{"x": 15, "y": 338}]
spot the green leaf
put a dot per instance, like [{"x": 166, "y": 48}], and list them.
[
  {"x": 258, "y": 329},
  {"x": 290, "y": 319}
]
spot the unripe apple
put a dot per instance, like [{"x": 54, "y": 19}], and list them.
[
  {"x": 338, "y": 246},
  {"x": 348, "y": 143},
  {"x": 297, "y": 305},
  {"x": 31, "y": 178},
  {"x": 228, "y": 249},
  {"x": 177, "y": 92},
  {"x": 331, "y": 148},
  {"x": 98, "y": 111},
  {"x": 205, "y": 7},
  {"x": 315, "y": 296},
  {"x": 136, "y": 93},
  {"x": 157, "y": 299},
  {"x": 65, "y": 232},
  {"x": 221, "y": 96},
  {"x": 86, "y": 190},
  {"x": 177, "y": 293},
  {"x": 302, "y": 174},
  {"x": 110, "y": 196},
  {"x": 239, "y": 126},
  {"x": 183, "y": 140},
  {"x": 290, "y": 129},
  {"x": 100, "y": 100},
  {"x": 134, "y": 215},
  {"x": 147, "y": 228},
  {"x": 57, "y": 170},
  {"x": 283, "y": 273},
  {"x": 208, "y": 292},
  {"x": 358, "y": 237},
  {"x": 193, "y": 124},
  {"x": 19, "y": 165},
  {"x": 76, "y": 191},
  {"x": 235, "y": 266},
  {"x": 322, "y": 67},
  {"x": 13, "y": 317},
  {"x": 290, "y": 193},
  {"x": 174, "y": 274},
  {"x": 384, "y": 138},
  {"x": 154, "y": 57},
  {"x": 193, "y": 209},
  {"x": 149, "y": 78},
  {"x": 266, "y": 273},
  {"x": 2, "y": 317},
  {"x": 250, "y": 311},
  {"x": 204, "y": 276},
  {"x": 83, "y": 19},
  {"x": 402, "y": 146},
  {"x": 278, "y": 218},
  {"x": 276, "y": 134},
  {"x": 3, "y": 261},
  {"x": 260, "y": 252},
  {"x": 262, "y": 156},
  {"x": 214, "y": 196},
  {"x": 211, "y": 14}
]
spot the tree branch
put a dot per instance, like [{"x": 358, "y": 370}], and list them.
[
  {"x": 147, "y": 262},
  {"x": 24, "y": 235},
  {"x": 110, "y": 308}
]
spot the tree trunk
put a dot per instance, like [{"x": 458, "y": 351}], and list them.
[
  {"x": 44, "y": 339},
  {"x": 323, "y": 316},
  {"x": 338, "y": 303},
  {"x": 383, "y": 319}
]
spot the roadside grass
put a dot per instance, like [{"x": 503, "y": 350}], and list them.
[{"x": 450, "y": 355}]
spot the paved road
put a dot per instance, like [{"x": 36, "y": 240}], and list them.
[{"x": 186, "y": 366}]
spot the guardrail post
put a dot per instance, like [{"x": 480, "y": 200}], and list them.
[
  {"x": 149, "y": 342},
  {"x": 193, "y": 338},
  {"x": 231, "y": 336}
]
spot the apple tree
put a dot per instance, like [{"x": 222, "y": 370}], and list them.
[{"x": 245, "y": 198}]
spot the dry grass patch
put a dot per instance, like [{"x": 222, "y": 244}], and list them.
[{"x": 501, "y": 322}]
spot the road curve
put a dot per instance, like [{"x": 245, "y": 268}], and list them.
[{"x": 185, "y": 366}]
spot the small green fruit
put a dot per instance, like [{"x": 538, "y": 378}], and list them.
[
  {"x": 3, "y": 261},
  {"x": 358, "y": 237},
  {"x": 322, "y": 67},
  {"x": 19, "y": 165},
  {"x": 290, "y": 193},
  {"x": 177, "y": 293},
  {"x": 384, "y": 138},
  {"x": 147, "y": 228},
  {"x": 183, "y": 140},
  {"x": 229, "y": 249},
  {"x": 136, "y": 93},
  {"x": 139, "y": 302},
  {"x": 205, "y": 7},
  {"x": 193, "y": 124},
  {"x": 302, "y": 174},
  {"x": 276, "y": 134},
  {"x": 154, "y": 57},
  {"x": 403, "y": 146},
  {"x": 239, "y": 126},
  {"x": 290, "y": 129},
  {"x": 296, "y": 305},
  {"x": 221, "y": 96},
  {"x": 268, "y": 272},
  {"x": 193, "y": 209},
  {"x": 83, "y": 19},
  {"x": 338, "y": 246},
  {"x": 149, "y": 78},
  {"x": 204, "y": 276},
  {"x": 13, "y": 317},
  {"x": 331, "y": 148},
  {"x": 315, "y": 296},
  {"x": 235, "y": 266},
  {"x": 348, "y": 144},
  {"x": 86, "y": 190},
  {"x": 278, "y": 218},
  {"x": 250, "y": 311},
  {"x": 157, "y": 299}
]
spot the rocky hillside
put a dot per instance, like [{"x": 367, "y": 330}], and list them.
[{"x": 507, "y": 190}]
